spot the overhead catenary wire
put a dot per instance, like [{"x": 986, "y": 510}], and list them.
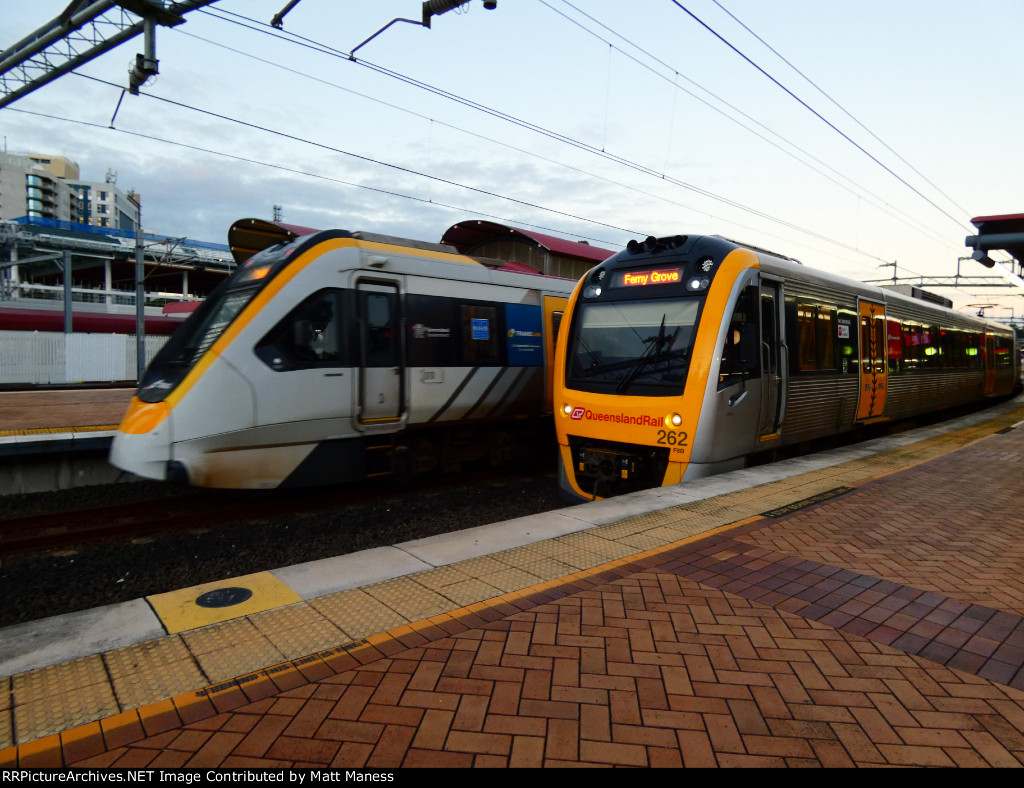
[
  {"x": 254, "y": 25},
  {"x": 842, "y": 109},
  {"x": 853, "y": 186},
  {"x": 817, "y": 114},
  {"x": 492, "y": 140},
  {"x": 306, "y": 173}
]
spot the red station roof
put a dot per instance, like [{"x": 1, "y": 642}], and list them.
[
  {"x": 466, "y": 236},
  {"x": 1005, "y": 232}
]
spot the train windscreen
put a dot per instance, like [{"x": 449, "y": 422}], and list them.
[{"x": 632, "y": 347}]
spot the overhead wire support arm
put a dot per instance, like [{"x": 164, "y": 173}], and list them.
[
  {"x": 81, "y": 33},
  {"x": 431, "y": 8}
]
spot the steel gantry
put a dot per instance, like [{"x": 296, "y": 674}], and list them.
[{"x": 83, "y": 31}]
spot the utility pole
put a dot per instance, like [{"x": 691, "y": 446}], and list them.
[{"x": 140, "y": 299}]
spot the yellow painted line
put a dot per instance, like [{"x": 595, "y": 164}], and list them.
[
  {"x": 179, "y": 612},
  {"x": 57, "y": 430}
]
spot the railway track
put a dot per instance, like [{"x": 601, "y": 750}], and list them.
[{"x": 199, "y": 511}]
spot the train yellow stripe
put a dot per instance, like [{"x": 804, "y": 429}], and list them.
[{"x": 143, "y": 417}]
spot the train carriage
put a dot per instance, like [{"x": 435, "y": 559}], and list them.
[
  {"x": 689, "y": 356},
  {"x": 332, "y": 356}
]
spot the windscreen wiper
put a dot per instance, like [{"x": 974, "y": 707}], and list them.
[{"x": 655, "y": 352}]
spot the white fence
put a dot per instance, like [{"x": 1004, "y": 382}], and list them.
[{"x": 44, "y": 357}]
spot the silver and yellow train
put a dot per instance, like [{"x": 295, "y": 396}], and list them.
[
  {"x": 329, "y": 357},
  {"x": 682, "y": 357}
]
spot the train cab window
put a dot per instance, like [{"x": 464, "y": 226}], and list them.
[
  {"x": 639, "y": 347},
  {"x": 309, "y": 336},
  {"x": 739, "y": 354}
]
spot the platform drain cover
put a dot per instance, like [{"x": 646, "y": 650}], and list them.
[{"x": 224, "y": 597}]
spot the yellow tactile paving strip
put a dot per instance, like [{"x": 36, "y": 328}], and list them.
[
  {"x": 179, "y": 611},
  {"x": 57, "y": 430},
  {"x": 224, "y": 665}
]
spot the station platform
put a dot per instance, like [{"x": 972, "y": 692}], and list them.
[
  {"x": 856, "y": 607},
  {"x": 47, "y": 437}
]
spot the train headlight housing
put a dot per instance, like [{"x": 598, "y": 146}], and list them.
[
  {"x": 697, "y": 283},
  {"x": 567, "y": 409},
  {"x": 591, "y": 291},
  {"x": 673, "y": 420}
]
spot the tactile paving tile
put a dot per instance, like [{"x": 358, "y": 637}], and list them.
[
  {"x": 159, "y": 668},
  {"x": 469, "y": 591},
  {"x": 478, "y": 567},
  {"x": 409, "y": 599},
  {"x": 536, "y": 562},
  {"x": 6, "y": 729},
  {"x": 298, "y": 630},
  {"x": 511, "y": 579},
  {"x": 57, "y": 680},
  {"x": 231, "y": 649},
  {"x": 441, "y": 577},
  {"x": 357, "y": 614},
  {"x": 75, "y": 706},
  {"x": 593, "y": 542}
]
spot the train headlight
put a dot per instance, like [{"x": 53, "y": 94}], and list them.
[
  {"x": 674, "y": 420},
  {"x": 567, "y": 409},
  {"x": 591, "y": 291},
  {"x": 698, "y": 283}
]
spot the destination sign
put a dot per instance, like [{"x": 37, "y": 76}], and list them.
[{"x": 657, "y": 276}]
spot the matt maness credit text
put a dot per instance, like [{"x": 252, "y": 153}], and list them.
[{"x": 211, "y": 775}]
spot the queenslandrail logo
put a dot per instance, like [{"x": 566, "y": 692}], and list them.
[{"x": 583, "y": 414}]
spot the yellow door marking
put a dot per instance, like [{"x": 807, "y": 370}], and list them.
[{"x": 179, "y": 612}]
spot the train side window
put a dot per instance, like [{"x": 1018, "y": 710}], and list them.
[
  {"x": 379, "y": 315},
  {"x": 911, "y": 346},
  {"x": 1004, "y": 354},
  {"x": 846, "y": 327},
  {"x": 894, "y": 337},
  {"x": 430, "y": 336},
  {"x": 308, "y": 336},
  {"x": 480, "y": 334},
  {"x": 930, "y": 348},
  {"x": 974, "y": 359},
  {"x": 739, "y": 355},
  {"x": 816, "y": 325},
  {"x": 556, "y": 324},
  {"x": 807, "y": 355},
  {"x": 825, "y": 328}
]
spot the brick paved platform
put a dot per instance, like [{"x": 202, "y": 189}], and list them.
[{"x": 879, "y": 625}]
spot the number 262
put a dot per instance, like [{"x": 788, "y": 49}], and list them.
[{"x": 671, "y": 438}]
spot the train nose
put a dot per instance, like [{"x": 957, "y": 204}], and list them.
[{"x": 142, "y": 444}]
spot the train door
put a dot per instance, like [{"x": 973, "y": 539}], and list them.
[
  {"x": 873, "y": 367},
  {"x": 773, "y": 366},
  {"x": 380, "y": 385},
  {"x": 554, "y": 306},
  {"x": 990, "y": 364}
]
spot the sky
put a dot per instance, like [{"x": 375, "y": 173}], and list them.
[{"x": 858, "y": 136}]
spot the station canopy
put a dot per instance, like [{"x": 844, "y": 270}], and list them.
[
  {"x": 249, "y": 236},
  {"x": 470, "y": 236},
  {"x": 1000, "y": 233}
]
